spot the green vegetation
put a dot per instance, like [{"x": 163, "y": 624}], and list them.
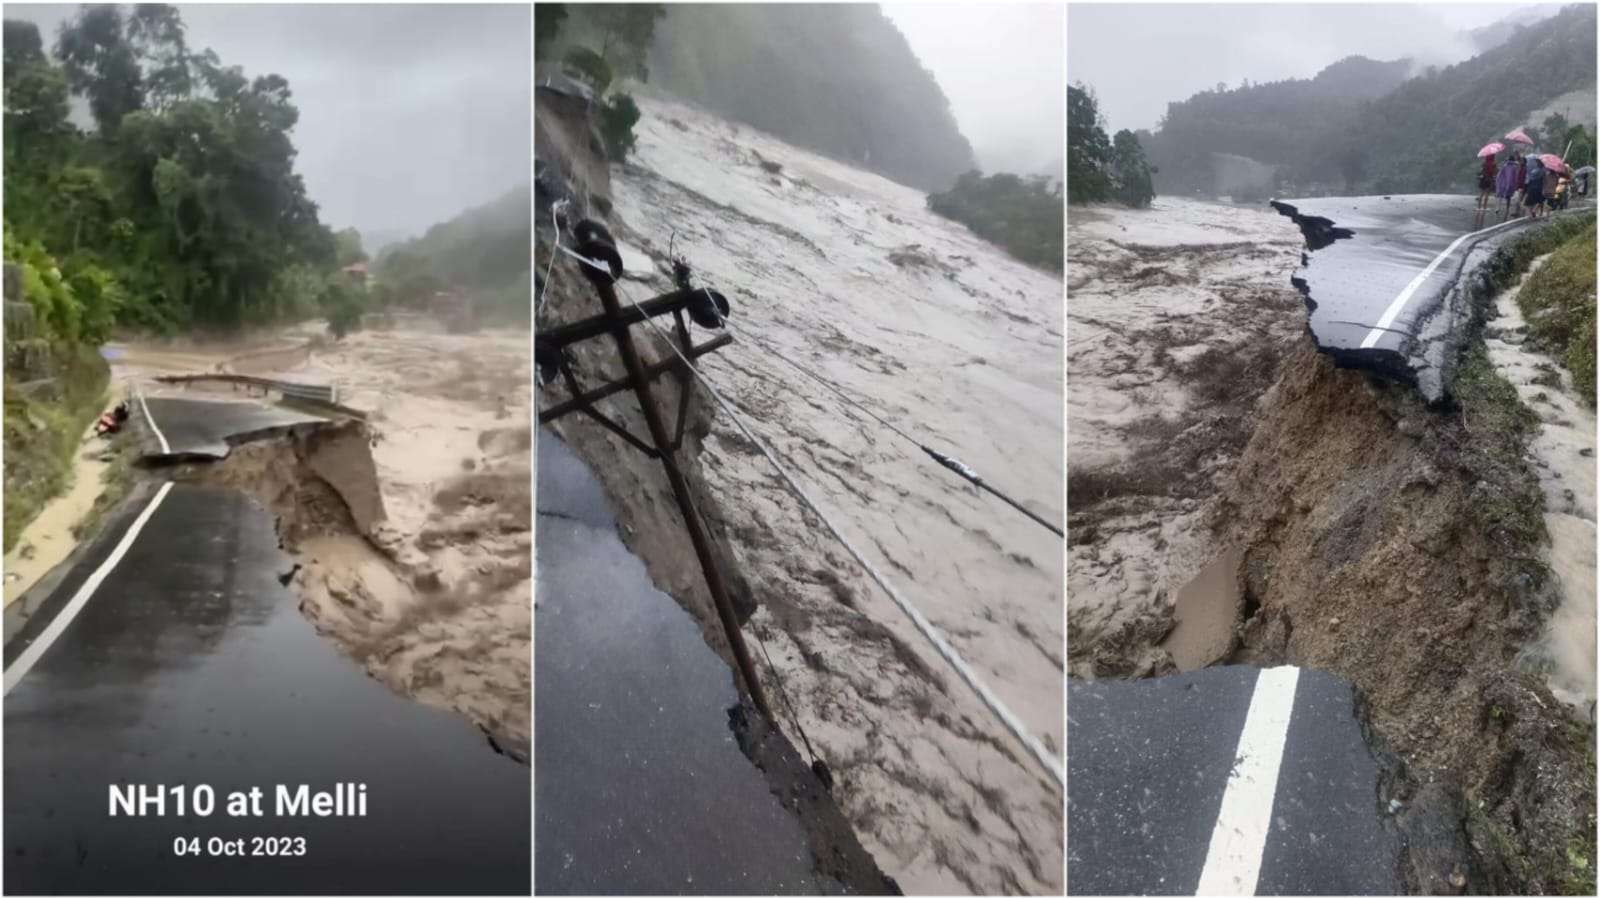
[
  {"x": 598, "y": 43},
  {"x": 43, "y": 425},
  {"x": 180, "y": 208},
  {"x": 837, "y": 79},
  {"x": 1101, "y": 169},
  {"x": 1558, "y": 302},
  {"x": 1365, "y": 126},
  {"x": 1024, "y": 215},
  {"x": 480, "y": 258}
]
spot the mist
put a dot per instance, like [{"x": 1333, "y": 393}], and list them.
[
  {"x": 1140, "y": 57},
  {"x": 1000, "y": 66},
  {"x": 408, "y": 114}
]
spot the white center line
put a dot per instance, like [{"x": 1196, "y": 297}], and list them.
[
  {"x": 165, "y": 449},
  {"x": 1233, "y": 861},
  {"x": 37, "y": 649},
  {"x": 1405, "y": 295}
]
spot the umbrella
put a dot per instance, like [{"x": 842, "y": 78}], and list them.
[
  {"x": 1586, "y": 170},
  {"x": 1518, "y": 137},
  {"x": 1490, "y": 149},
  {"x": 1552, "y": 162}
]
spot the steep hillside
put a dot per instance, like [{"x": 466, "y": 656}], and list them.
[
  {"x": 1297, "y": 122},
  {"x": 839, "y": 79},
  {"x": 1364, "y": 126},
  {"x": 1422, "y": 136},
  {"x": 483, "y": 252}
]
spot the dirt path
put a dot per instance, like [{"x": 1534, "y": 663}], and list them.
[{"x": 51, "y": 537}]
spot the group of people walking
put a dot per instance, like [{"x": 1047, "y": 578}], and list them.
[{"x": 1524, "y": 183}]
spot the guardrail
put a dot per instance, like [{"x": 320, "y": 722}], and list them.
[{"x": 325, "y": 395}]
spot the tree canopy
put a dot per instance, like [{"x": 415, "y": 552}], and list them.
[
  {"x": 1023, "y": 215},
  {"x": 182, "y": 203},
  {"x": 1101, "y": 169}
]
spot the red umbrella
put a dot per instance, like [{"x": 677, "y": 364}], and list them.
[
  {"x": 1552, "y": 162},
  {"x": 1490, "y": 149},
  {"x": 1518, "y": 137}
]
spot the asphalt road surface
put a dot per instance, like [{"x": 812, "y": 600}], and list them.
[
  {"x": 642, "y": 785},
  {"x": 171, "y": 654},
  {"x": 183, "y": 428},
  {"x": 1224, "y": 781},
  {"x": 1380, "y": 278}
]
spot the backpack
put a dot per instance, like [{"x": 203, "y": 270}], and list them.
[{"x": 1535, "y": 172}]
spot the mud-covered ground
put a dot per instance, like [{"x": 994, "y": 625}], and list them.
[
  {"x": 950, "y": 339},
  {"x": 1179, "y": 318},
  {"x": 433, "y": 594},
  {"x": 1400, "y": 546}
]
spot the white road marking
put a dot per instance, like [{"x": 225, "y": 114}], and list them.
[
  {"x": 36, "y": 651},
  {"x": 1405, "y": 295},
  {"x": 1233, "y": 861},
  {"x": 165, "y": 449}
]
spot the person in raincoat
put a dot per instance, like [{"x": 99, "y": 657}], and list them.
[
  {"x": 1551, "y": 187},
  {"x": 1486, "y": 182},
  {"x": 1506, "y": 184},
  {"x": 1533, "y": 186}
]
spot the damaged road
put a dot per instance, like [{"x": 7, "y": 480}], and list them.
[
  {"x": 1382, "y": 279},
  {"x": 171, "y": 653}
]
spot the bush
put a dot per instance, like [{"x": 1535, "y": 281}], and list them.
[
  {"x": 1558, "y": 301},
  {"x": 343, "y": 305},
  {"x": 618, "y": 115},
  {"x": 590, "y": 66}
]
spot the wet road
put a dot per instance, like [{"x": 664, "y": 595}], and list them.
[
  {"x": 179, "y": 427},
  {"x": 642, "y": 785},
  {"x": 1229, "y": 780},
  {"x": 190, "y": 664},
  {"x": 1382, "y": 278}
]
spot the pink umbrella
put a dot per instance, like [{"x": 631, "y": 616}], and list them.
[
  {"x": 1490, "y": 149},
  {"x": 1552, "y": 162},
  {"x": 1519, "y": 137}
]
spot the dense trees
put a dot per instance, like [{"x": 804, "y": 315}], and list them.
[
  {"x": 181, "y": 206},
  {"x": 484, "y": 254},
  {"x": 1362, "y": 126},
  {"x": 1024, "y": 215},
  {"x": 1101, "y": 168},
  {"x": 839, "y": 79}
]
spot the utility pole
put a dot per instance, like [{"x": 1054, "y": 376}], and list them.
[{"x": 602, "y": 265}]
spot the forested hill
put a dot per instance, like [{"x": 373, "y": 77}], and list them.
[
  {"x": 181, "y": 206},
  {"x": 1301, "y": 123},
  {"x": 1362, "y": 126},
  {"x": 482, "y": 252},
  {"x": 839, "y": 79},
  {"x": 1423, "y": 135}
]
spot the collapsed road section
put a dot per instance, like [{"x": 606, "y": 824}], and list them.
[
  {"x": 169, "y": 652},
  {"x": 1384, "y": 280}
]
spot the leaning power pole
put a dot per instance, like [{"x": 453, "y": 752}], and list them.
[{"x": 602, "y": 265}]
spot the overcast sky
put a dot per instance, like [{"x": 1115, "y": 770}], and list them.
[
  {"x": 408, "y": 114},
  {"x": 1140, "y": 57},
  {"x": 1000, "y": 65}
]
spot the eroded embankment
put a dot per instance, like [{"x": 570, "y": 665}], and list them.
[
  {"x": 1400, "y": 546},
  {"x": 440, "y": 615}
]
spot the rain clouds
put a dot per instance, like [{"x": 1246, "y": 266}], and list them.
[
  {"x": 1138, "y": 58},
  {"x": 408, "y": 113}
]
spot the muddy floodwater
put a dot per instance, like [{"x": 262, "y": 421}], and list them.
[{"x": 943, "y": 334}]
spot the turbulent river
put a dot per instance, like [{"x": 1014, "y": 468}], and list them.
[{"x": 953, "y": 341}]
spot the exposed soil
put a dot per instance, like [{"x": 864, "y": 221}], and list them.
[
  {"x": 411, "y": 531},
  {"x": 1399, "y": 546}
]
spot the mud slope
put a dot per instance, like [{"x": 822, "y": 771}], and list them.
[
  {"x": 1181, "y": 315},
  {"x": 931, "y": 328},
  {"x": 1398, "y": 547}
]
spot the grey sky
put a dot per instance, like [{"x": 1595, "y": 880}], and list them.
[
  {"x": 1000, "y": 65},
  {"x": 408, "y": 113},
  {"x": 1140, "y": 57}
]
